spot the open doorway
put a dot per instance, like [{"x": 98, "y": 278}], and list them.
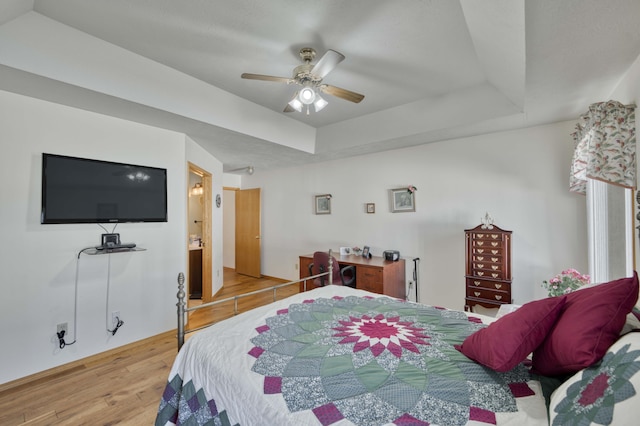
[{"x": 199, "y": 235}]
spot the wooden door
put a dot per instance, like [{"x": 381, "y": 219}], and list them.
[
  {"x": 248, "y": 232},
  {"x": 207, "y": 237}
]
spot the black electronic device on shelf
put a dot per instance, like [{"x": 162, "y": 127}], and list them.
[
  {"x": 109, "y": 247},
  {"x": 110, "y": 240}
]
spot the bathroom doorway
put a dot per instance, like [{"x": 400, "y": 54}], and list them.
[{"x": 199, "y": 234}]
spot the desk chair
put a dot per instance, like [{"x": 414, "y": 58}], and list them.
[{"x": 345, "y": 275}]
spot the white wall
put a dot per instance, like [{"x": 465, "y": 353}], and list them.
[
  {"x": 520, "y": 177},
  {"x": 38, "y": 262},
  {"x": 229, "y": 237}
]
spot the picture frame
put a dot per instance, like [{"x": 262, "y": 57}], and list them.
[
  {"x": 402, "y": 200},
  {"x": 365, "y": 252},
  {"x": 323, "y": 204},
  {"x": 371, "y": 208}
]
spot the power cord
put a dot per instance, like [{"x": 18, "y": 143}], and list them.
[
  {"x": 119, "y": 323},
  {"x": 62, "y": 343}
]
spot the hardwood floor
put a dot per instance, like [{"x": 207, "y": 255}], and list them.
[{"x": 124, "y": 386}]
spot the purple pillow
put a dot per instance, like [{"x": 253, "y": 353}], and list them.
[
  {"x": 507, "y": 342},
  {"x": 589, "y": 323}
]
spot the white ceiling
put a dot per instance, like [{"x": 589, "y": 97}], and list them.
[{"x": 429, "y": 70}]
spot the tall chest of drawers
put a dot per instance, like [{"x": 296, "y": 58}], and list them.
[{"x": 488, "y": 267}]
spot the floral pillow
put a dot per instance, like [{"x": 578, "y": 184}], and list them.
[{"x": 605, "y": 393}]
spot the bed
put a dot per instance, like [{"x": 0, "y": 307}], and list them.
[{"x": 341, "y": 356}]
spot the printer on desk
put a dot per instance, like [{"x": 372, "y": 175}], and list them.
[{"x": 391, "y": 255}]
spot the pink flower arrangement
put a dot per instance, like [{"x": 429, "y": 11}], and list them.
[
  {"x": 566, "y": 282},
  {"x": 411, "y": 189}
]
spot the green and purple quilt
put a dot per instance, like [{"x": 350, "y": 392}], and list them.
[{"x": 340, "y": 356}]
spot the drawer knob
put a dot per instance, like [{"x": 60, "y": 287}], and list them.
[
  {"x": 480, "y": 243},
  {"x": 494, "y": 267},
  {"x": 494, "y": 244},
  {"x": 494, "y": 251},
  {"x": 494, "y": 259},
  {"x": 498, "y": 297},
  {"x": 494, "y": 275},
  {"x": 480, "y": 273},
  {"x": 477, "y": 293},
  {"x": 480, "y": 250},
  {"x": 480, "y": 265},
  {"x": 480, "y": 258},
  {"x": 498, "y": 286},
  {"x": 480, "y": 235},
  {"x": 476, "y": 282},
  {"x": 495, "y": 236}
]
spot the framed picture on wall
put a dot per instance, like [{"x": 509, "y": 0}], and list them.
[
  {"x": 402, "y": 200},
  {"x": 323, "y": 204}
]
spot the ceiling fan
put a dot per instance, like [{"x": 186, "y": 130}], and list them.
[{"x": 309, "y": 76}]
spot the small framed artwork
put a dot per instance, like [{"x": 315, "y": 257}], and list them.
[
  {"x": 365, "y": 252},
  {"x": 402, "y": 200},
  {"x": 371, "y": 208},
  {"x": 323, "y": 204}
]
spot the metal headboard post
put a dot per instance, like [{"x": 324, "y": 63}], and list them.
[{"x": 181, "y": 304}]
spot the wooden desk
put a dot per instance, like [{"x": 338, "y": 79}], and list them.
[{"x": 375, "y": 274}]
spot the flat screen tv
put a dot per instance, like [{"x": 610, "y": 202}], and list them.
[{"x": 81, "y": 190}]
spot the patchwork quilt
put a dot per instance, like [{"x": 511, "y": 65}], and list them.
[{"x": 341, "y": 356}]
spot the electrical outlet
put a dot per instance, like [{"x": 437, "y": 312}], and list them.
[
  {"x": 296, "y": 266},
  {"x": 63, "y": 326},
  {"x": 115, "y": 315}
]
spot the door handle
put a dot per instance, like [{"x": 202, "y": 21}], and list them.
[{"x": 257, "y": 237}]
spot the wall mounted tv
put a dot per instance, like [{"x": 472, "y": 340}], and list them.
[{"x": 80, "y": 190}]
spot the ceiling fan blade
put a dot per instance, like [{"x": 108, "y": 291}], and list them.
[
  {"x": 345, "y": 94},
  {"x": 328, "y": 62},
  {"x": 288, "y": 108},
  {"x": 267, "y": 78}
]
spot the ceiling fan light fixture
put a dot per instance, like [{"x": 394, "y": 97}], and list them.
[
  {"x": 307, "y": 95},
  {"x": 295, "y": 103},
  {"x": 320, "y": 103}
]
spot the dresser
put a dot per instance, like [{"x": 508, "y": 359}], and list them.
[
  {"x": 374, "y": 274},
  {"x": 488, "y": 267}
]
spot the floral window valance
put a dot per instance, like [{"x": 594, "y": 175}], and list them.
[{"x": 605, "y": 146}]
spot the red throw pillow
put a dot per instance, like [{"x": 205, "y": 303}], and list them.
[
  {"x": 508, "y": 341},
  {"x": 590, "y": 322}
]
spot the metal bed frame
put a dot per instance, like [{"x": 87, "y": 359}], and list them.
[{"x": 183, "y": 310}]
